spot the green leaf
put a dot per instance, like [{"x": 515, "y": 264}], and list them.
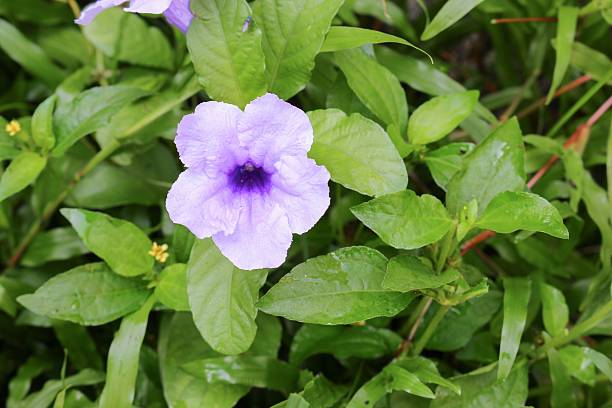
[
  {"x": 405, "y": 220},
  {"x": 365, "y": 342},
  {"x": 516, "y": 299},
  {"x": 555, "y": 312},
  {"x": 222, "y": 298},
  {"x": 437, "y": 117},
  {"x": 123, "y": 355},
  {"x": 512, "y": 210},
  {"x": 357, "y": 152},
  {"x": 120, "y": 243},
  {"x": 427, "y": 372},
  {"x": 578, "y": 364},
  {"x": 496, "y": 165},
  {"x": 172, "y": 287},
  {"x": 22, "y": 172},
  {"x": 566, "y": 29},
  {"x": 562, "y": 395},
  {"x": 297, "y": 401},
  {"x": 451, "y": 12},
  {"x": 228, "y": 60},
  {"x": 375, "y": 86},
  {"x": 80, "y": 347},
  {"x": 322, "y": 393},
  {"x": 53, "y": 245},
  {"x": 444, "y": 162},
  {"x": 51, "y": 388},
  {"x": 343, "y": 38},
  {"x": 339, "y": 288},
  {"x": 404, "y": 380},
  {"x": 88, "y": 112},
  {"x": 406, "y": 273},
  {"x": 370, "y": 392},
  {"x": 601, "y": 361},
  {"x": 29, "y": 55},
  {"x": 592, "y": 62},
  {"x": 42, "y": 124},
  {"x": 21, "y": 382},
  {"x": 293, "y": 32}
]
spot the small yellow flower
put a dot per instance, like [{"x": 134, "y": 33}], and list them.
[
  {"x": 159, "y": 252},
  {"x": 13, "y": 127}
]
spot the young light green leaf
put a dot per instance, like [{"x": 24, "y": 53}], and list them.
[
  {"x": 444, "y": 162},
  {"x": 22, "y": 172},
  {"x": 496, "y": 165},
  {"x": 42, "y": 124},
  {"x": 437, "y": 117},
  {"x": 338, "y": 288},
  {"x": 357, "y": 152},
  {"x": 513, "y": 210},
  {"x": 120, "y": 243},
  {"x": 406, "y": 273},
  {"x": 427, "y": 372},
  {"x": 516, "y": 299},
  {"x": 45, "y": 396},
  {"x": 228, "y": 60},
  {"x": 405, "y": 220},
  {"x": 89, "y": 294},
  {"x": 296, "y": 401},
  {"x": 404, "y": 380},
  {"x": 578, "y": 364},
  {"x": 222, "y": 298},
  {"x": 370, "y": 392},
  {"x": 172, "y": 287},
  {"x": 562, "y": 395},
  {"x": 293, "y": 32},
  {"x": 123, "y": 355},
  {"x": 555, "y": 312},
  {"x": 593, "y": 63},
  {"x": 601, "y": 361},
  {"x": 451, "y": 12},
  {"x": 566, "y": 29},
  {"x": 53, "y": 245}
]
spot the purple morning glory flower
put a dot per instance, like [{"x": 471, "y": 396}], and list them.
[
  {"x": 249, "y": 183},
  {"x": 177, "y": 12}
]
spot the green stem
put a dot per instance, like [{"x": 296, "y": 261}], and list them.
[
  {"x": 420, "y": 344},
  {"x": 445, "y": 250}
]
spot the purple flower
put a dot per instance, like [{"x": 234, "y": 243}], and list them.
[
  {"x": 249, "y": 183},
  {"x": 177, "y": 12}
]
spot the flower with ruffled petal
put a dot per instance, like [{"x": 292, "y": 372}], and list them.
[
  {"x": 249, "y": 183},
  {"x": 177, "y": 12}
]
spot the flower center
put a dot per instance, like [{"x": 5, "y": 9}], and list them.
[{"x": 249, "y": 177}]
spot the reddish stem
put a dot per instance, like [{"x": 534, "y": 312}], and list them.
[{"x": 524, "y": 20}]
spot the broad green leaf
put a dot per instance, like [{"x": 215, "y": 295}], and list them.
[
  {"x": 370, "y": 392},
  {"x": 516, "y": 299},
  {"x": 51, "y": 388},
  {"x": 339, "y": 288},
  {"x": 562, "y": 395},
  {"x": 222, "y": 298},
  {"x": 437, "y": 117},
  {"x": 89, "y": 294},
  {"x": 22, "y": 171},
  {"x": 601, "y": 361},
  {"x": 88, "y": 112},
  {"x": 406, "y": 273},
  {"x": 482, "y": 389},
  {"x": 375, "y": 86},
  {"x": 513, "y": 210},
  {"x": 592, "y": 62},
  {"x": 319, "y": 392},
  {"x": 172, "y": 287},
  {"x": 566, "y": 29},
  {"x": 496, "y": 165},
  {"x": 357, "y": 152},
  {"x": 42, "y": 124},
  {"x": 343, "y": 38},
  {"x": 405, "y": 220},
  {"x": 54, "y": 245},
  {"x": 29, "y": 55},
  {"x": 229, "y": 61},
  {"x": 444, "y": 162},
  {"x": 365, "y": 342},
  {"x": 555, "y": 312},
  {"x": 297, "y": 401},
  {"x": 451, "y": 12},
  {"x": 123, "y": 355},
  {"x": 293, "y": 32},
  {"x": 120, "y": 243},
  {"x": 427, "y": 372},
  {"x": 404, "y": 380},
  {"x": 578, "y": 364}
]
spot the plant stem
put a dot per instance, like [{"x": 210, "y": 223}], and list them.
[
  {"x": 524, "y": 20},
  {"x": 421, "y": 342}
]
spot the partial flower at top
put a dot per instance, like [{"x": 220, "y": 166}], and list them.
[
  {"x": 177, "y": 12},
  {"x": 249, "y": 183}
]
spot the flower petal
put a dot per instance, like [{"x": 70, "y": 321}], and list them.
[
  {"x": 262, "y": 236},
  {"x": 148, "y": 6},
  {"x": 92, "y": 10},
  {"x": 206, "y": 139},
  {"x": 179, "y": 14},
  {"x": 204, "y": 205},
  {"x": 271, "y": 127},
  {"x": 300, "y": 187}
]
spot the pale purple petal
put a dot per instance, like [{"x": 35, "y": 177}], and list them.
[
  {"x": 299, "y": 186},
  {"x": 207, "y": 138},
  {"x": 271, "y": 128},
  {"x": 179, "y": 14},
  {"x": 202, "y": 204},
  {"x": 148, "y": 6},
  {"x": 92, "y": 10},
  {"x": 261, "y": 239}
]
